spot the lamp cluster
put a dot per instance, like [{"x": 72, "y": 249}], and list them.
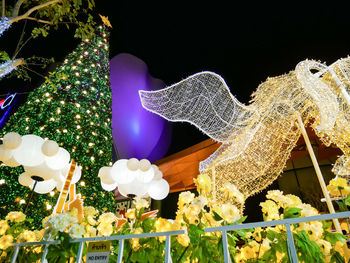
[
  {"x": 134, "y": 178},
  {"x": 43, "y": 161}
]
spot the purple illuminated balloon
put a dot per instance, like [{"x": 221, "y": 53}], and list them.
[{"x": 136, "y": 132}]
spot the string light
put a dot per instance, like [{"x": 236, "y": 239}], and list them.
[
  {"x": 61, "y": 122},
  {"x": 258, "y": 138}
]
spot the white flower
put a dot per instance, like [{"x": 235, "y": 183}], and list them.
[
  {"x": 228, "y": 212},
  {"x": 61, "y": 221},
  {"x": 140, "y": 203},
  {"x": 231, "y": 191},
  {"x": 199, "y": 201},
  {"x": 186, "y": 197},
  {"x": 274, "y": 194},
  {"x": 76, "y": 231},
  {"x": 307, "y": 210}
]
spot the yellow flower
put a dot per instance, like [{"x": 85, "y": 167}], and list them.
[
  {"x": 45, "y": 220},
  {"x": 90, "y": 231},
  {"x": 209, "y": 220},
  {"x": 251, "y": 250},
  {"x": 281, "y": 199},
  {"x": 325, "y": 246},
  {"x": 228, "y": 212},
  {"x": 203, "y": 183},
  {"x": 163, "y": 225},
  {"x": 130, "y": 214},
  {"x": 140, "y": 203},
  {"x": 239, "y": 257},
  {"x": 280, "y": 256},
  {"x": 107, "y": 218},
  {"x": 191, "y": 213},
  {"x": 307, "y": 210},
  {"x": 257, "y": 233},
  {"x": 265, "y": 245},
  {"x": 338, "y": 186},
  {"x": 231, "y": 191},
  {"x": 295, "y": 201},
  {"x": 29, "y": 236},
  {"x": 185, "y": 198},
  {"x": 39, "y": 234},
  {"x": 183, "y": 239},
  {"x": 135, "y": 241},
  {"x": 3, "y": 227},
  {"x": 73, "y": 212},
  {"x": 270, "y": 209},
  {"x": 339, "y": 247},
  {"x": 90, "y": 219},
  {"x": 16, "y": 216},
  {"x": 313, "y": 229},
  {"x": 274, "y": 194},
  {"x": 6, "y": 241},
  {"x": 90, "y": 211},
  {"x": 105, "y": 229},
  {"x": 37, "y": 249}
]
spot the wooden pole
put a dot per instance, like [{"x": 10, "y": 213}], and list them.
[
  {"x": 319, "y": 174},
  {"x": 213, "y": 178}
]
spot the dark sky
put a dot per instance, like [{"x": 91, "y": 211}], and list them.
[{"x": 244, "y": 44}]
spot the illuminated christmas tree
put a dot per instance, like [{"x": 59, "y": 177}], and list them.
[{"x": 73, "y": 108}]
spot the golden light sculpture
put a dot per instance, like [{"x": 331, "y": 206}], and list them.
[{"x": 258, "y": 138}]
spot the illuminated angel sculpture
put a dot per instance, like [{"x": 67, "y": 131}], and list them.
[{"x": 257, "y": 139}]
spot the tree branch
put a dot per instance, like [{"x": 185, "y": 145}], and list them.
[
  {"x": 17, "y": 7},
  {"x": 39, "y": 20},
  {"x": 27, "y": 14},
  {"x": 3, "y": 8}
]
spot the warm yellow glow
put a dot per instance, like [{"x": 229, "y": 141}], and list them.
[{"x": 258, "y": 138}]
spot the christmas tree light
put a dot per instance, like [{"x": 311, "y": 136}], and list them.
[{"x": 73, "y": 107}]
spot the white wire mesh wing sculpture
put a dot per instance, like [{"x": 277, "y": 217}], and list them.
[
  {"x": 257, "y": 139},
  {"x": 203, "y": 100}
]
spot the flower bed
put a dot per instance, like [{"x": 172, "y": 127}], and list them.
[{"x": 314, "y": 241}]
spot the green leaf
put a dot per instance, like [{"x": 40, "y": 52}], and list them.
[
  {"x": 342, "y": 206},
  {"x": 347, "y": 200},
  {"x": 337, "y": 258},
  {"x": 240, "y": 221},
  {"x": 334, "y": 237},
  {"x": 194, "y": 233},
  {"x": 291, "y": 212},
  {"x": 4, "y": 56},
  {"x": 217, "y": 217}
]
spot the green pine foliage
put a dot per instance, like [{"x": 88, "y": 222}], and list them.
[{"x": 73, "y": 108}]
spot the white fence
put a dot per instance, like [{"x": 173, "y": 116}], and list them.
[{"x": 167, "y": 258}]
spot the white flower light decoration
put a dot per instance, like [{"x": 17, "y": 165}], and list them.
[
  {"x": 45, "y": 163},
  {"x": 134, "y": 178}
]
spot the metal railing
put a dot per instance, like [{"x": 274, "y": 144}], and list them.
[
  {"x": 286, "y": 222},
  {"x": 167, "y": 257}
]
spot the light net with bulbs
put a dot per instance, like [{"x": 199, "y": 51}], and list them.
[{"x": 258, "y": 138}]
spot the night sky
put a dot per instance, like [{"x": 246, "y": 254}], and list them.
[{"x": 244, "y": 44}]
